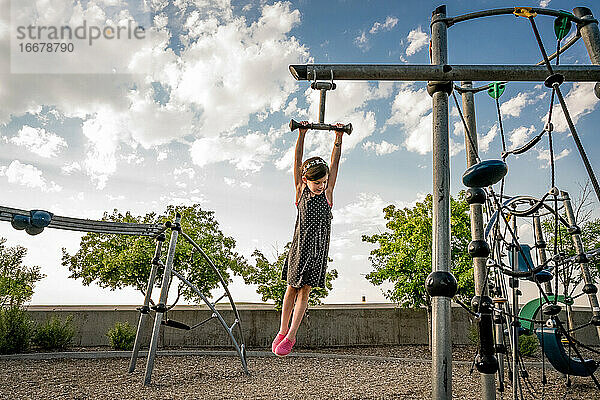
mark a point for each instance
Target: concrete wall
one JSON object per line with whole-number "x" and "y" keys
{"x": 328, "y": 325}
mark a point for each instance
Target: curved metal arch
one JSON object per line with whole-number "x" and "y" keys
{"x": 506, "y": 11}
{"x": 223, "y": 283}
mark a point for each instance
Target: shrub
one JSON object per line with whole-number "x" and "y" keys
{"x": 54, "y": 334}
{"x": 16, "y": 330}
{"x": 121, "y": 336}
{"x": 528, "y": 345}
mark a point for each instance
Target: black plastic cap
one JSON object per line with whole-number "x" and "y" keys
{"x": 475, "y": 196}
{"x": 479, "y": 248}
{"x": 589, "y": 288}
{"x": 441, "y": 283}
{"x": 486, "y": 364}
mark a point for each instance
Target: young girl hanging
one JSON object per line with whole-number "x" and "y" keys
{"x": 306, "y": 264}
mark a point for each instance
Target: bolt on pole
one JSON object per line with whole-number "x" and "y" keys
{"x": 441, "y": 351}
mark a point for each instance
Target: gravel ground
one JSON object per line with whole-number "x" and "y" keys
{"x": 306, "y": 377}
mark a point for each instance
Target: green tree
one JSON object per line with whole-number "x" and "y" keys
{"x": 117, "y": 261}
{"x": 404, "y": 253}
{"x": 267, "y": 276}
{"x": 17, "y": 281}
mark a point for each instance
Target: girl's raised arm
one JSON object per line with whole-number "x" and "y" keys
{"x": 298, "y": 160}
{"x": 335, "y": 162}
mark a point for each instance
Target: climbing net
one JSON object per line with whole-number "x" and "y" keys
{"x": 509, "y": 261}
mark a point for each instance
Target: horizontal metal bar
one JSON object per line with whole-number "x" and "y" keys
{"x": 88, "y": 225}
{"x": 426, "y": 72}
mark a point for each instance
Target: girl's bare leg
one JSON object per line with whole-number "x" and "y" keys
{"x": 301, "y": 303}
{"x": 286, "y": 310}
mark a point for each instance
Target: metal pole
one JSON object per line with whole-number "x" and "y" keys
{"x": 146, "y": 307}
{"x": 441, "y": 312}
{"x": 442, "y": 72}
{"x": 515, "y": 311}
{"x": 161, "y": 306}
{"x": 589, "y": 33}
{"x": 583, "y": 262}
{"x": 322, "y": 105}
{"x": 488, "y": 384}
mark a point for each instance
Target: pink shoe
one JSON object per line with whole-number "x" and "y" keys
{"x": 285, "y": 347}
{"x": 276, "y": 341}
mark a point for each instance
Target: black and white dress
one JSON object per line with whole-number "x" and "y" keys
{"x": 306, "y": 263}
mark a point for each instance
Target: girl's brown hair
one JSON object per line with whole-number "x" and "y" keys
{"x": 314, "y": 168}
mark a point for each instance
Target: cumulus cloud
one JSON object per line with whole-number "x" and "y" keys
{"x": 417, "y": 40}
{"x": 199, "y": 91}
{"x": 411, "y": 110}
{"x": 27, "y": 175}
{"x": 362, "y": 40}
{"x": 518, "y": 137}
{"x": 544, "y": 155}
{"x": 367, "y": 211}
{"x": 544, "y": 3}
{"x": 39, "y": 141}
{"x": 247, "y": 153}
{"x": 485, "y": 140}
{"x": 580, "y": 100}
{"x": 235, "y": 183}
{"x": 71, "y": 168}
{"x": 387, "y": 25}
{"x": 514, "y": 106}
{"x": 380, "y": 148}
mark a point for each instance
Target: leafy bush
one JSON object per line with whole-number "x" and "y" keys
{"x": 16, "y": 330}
{"x": 54, "y": 334}
{"x": 121, "y": 336}
{"x": 528, "y": 345}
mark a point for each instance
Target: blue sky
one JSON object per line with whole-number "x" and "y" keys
{"x": 203, "y": 118}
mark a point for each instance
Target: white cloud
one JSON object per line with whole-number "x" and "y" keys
{"x": 199, "y": 87}
{"x": 162, "y": 155}
{"x": 485, "y": 140}
{"x": 177, "y": 172}
{"x": 247, "y": 153}
{"x": 367, "y": 212}
{"x": 39, "y": 141}
{"x": 387, "y": 25}
{"x": 514, "y": 106}
{"x": 29, "y": 176}
{"x": 417, "y": 39}
{"x": 411, "y": 110}
{"x": 233, "y": 183}
{"x": 521, "y": 135}
{"x": 580, "y": 100}
{"x": 544, "y": 3}
{"x": 362, "y": 41}
{"x": 71, "y": 168}
{"x": 544, "y": 155}
{"x": 380, "y": 148}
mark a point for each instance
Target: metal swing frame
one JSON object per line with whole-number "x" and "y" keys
{"x": 156, "y": 231}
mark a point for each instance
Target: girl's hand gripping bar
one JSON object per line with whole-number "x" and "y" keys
{"x": 322, "y": 127}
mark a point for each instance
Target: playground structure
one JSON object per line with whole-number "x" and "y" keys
{"x": 488, "y": 246}
{"x": 35, "y": 221}
{"x": 495, "y": 248}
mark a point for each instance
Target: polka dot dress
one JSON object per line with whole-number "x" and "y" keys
{"x": 306, "y": 263}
